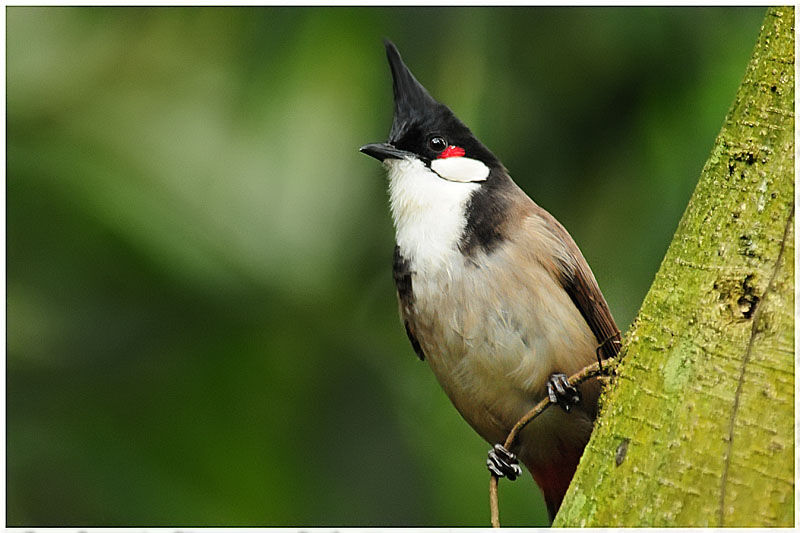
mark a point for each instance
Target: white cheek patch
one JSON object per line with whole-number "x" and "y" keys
{"x": 461, "y": 169}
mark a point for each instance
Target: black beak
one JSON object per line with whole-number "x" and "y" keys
{"x": 381, "y": 151}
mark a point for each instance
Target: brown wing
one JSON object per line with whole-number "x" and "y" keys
{"x": 578, "y": 281}
{"x": 582, "y": 288}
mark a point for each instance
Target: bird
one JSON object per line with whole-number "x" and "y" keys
{"x": 493, "y": 292}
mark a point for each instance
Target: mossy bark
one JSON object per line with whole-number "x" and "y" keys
{"x": 697, "y": 427}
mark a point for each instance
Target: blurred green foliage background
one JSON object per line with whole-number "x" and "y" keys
{"x": 202, "y": 326}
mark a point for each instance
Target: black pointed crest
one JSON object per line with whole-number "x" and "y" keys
{"x": 417, "y": 116}
{"x": 411, "y": 99}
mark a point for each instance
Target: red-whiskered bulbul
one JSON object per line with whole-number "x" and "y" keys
{"x": 493, "y": 292}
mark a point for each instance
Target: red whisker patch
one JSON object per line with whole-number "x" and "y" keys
{"x": 451, "y": 151}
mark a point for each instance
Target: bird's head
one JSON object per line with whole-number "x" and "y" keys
{"x": 428, "y": 132}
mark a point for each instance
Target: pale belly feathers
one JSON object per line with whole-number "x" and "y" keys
{"x": 492, "y": 336}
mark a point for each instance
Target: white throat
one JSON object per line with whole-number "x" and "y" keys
{"x": 429, "y": 214}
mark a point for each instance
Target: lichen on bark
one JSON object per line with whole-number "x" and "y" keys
{"x": 697, "y": 427}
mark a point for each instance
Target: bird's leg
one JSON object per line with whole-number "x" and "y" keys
{"x": 561, "y": 392}
{"x": 503, "y": 463}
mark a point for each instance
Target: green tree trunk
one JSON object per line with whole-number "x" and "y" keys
{"x": 697, "y": 427}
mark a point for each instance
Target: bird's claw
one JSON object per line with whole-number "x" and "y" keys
{"x": 561, "y": 392}
{"x": 503, "y": 463}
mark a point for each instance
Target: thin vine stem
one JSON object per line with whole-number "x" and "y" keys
{"x": 593, "y": 370}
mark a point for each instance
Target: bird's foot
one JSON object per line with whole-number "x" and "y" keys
{"x": 561, "y": 392}
{"x": 503, "y": 463}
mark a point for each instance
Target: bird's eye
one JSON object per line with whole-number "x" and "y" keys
{"x": 437, "y": 144}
